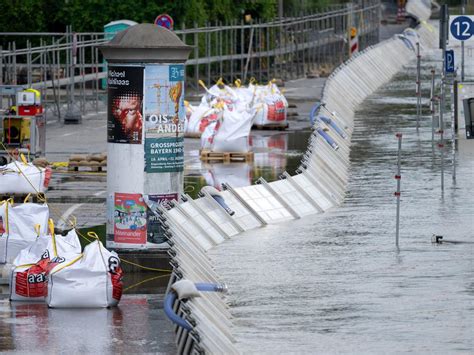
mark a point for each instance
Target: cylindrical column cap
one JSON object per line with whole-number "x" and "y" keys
{"x": 146, "y": 43}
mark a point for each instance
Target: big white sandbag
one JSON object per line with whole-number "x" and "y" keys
{"x": 207, "y": 136}
{"x": 20, "y": 225}
{"x": 21, "y": 178}
{"x": 220, "y": 93}
{"x": 232, "y": 135}
{"x": 93, "y": 281}
{"x": 271, "y": 106}
{"x": 200, "y": 118}
{"x": 31, "y": 267}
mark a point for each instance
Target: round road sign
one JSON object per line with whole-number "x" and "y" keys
{"x": 164, "y": 20}
{"x": 462, "y": 28}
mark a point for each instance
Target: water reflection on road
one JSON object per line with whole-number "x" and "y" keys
{"x": 138, "y": 325}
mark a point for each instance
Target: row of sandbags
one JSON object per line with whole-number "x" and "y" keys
{"x": 225, "y": 115}
{"x": 88, "y": 160}
{"x": 21, "y": 177}
{"x": 52, "y": 268}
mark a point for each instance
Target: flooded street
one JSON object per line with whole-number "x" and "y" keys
{"x": 137, "y": 326}
{"x": 335, "y": 282}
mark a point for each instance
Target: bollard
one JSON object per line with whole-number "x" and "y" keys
{"x": 418, "y": 85}
{"x": 145, "y": 131}
{"x": 398, "y": 177}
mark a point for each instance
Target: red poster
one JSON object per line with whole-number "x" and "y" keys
{"x": 129, "y": 218}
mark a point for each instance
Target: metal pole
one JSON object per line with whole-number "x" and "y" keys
{"x": 208, "y": 55}
{"x": 453, "y": 134}
{"x": 219, "y": 35}
{"x": 463, "y": 12}
{"x": 441, "y": 132}
{"x": 1, "y": 70}
{"x": 196, "y": 55}
{"x": 96, "y": 70}
{"x": 258, "y": 47}
{"x": 418, "y": 85}
{"x": 242, "y": 34}
{"x": 83, "y": 83}
{"x": 14, "y": 76}
{"x": 249, "y": 54}
{"x": 233, "y": 41}
{"x": 442, "y": 103}
{"x": 28, "y": 63}
{"x": 398, "y": 177}
{"x": 432, "y": 105}
{"x": 267, "y": 46}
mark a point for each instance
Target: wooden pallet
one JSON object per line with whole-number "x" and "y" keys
{"x": 192, "y": 135}
{"x": 271, "y": 127}
{"x": 227, "y": 157}
{"x": 77, "y": 166}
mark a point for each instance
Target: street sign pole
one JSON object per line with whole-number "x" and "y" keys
{"x": 444, "y": 17}
{"x": 463, "y": 12}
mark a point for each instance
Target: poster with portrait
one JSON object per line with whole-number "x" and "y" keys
{"x": 164, "y": 118}
{"x": 130, "y": 214}
{"x": 125, "y": 113}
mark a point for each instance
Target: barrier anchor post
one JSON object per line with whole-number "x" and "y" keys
{"x": 432, "y": 105}
{"x": 397, "y": 194}
{"x": 418, "y": 85}
{"x": 441, "y": 130}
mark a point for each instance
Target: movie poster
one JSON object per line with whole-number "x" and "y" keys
{"x": 125, "y": 114}
{"x": 129, "y": 218}
{"x": 164, "y": 118}
{"x": 155, "y": 233}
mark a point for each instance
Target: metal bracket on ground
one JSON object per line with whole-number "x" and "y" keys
{"x": 302, "y": 192}
{"x": 208, "y": 197}
{"x": 280, "y": 199}
{"x": 206, "y": 217}
{"x": 244, "y": 203}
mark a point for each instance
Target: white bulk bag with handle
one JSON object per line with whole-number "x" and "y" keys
{"x": 92, "y": 281}
{"x": 29, "y": 274}
{"x": 200, "y": 118}
{"x": 23, "y": 178}
{"x": 232, "y": 135}
{"x": 207, "y": 136}
{"x": 271, "y": 106}
{"x": 20, "y": 225}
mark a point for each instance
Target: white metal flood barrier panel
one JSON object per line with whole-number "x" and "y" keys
{"x": 194, "y": 226}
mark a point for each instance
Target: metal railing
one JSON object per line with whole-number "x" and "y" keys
{"x": 287, "y": 49}
{"x": 68, "y": 67}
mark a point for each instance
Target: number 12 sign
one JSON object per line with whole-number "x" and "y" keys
{"x": 461, "y": 28}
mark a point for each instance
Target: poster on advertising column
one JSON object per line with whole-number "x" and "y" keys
{"x": 125, "y": 96}
{"x": 130, "y": 213}
{"x": 164, "y": 118}
{"x": 155, "y": 232}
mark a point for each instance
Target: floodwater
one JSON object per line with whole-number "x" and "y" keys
{"x": 138, "y": 325}
{"x": 336, "y": 282}
{"x": 274, "y": 153}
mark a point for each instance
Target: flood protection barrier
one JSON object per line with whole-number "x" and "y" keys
{"x": 193, "y": 226}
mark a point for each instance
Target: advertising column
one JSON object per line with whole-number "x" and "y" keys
{"x": 146, "y": 125}
{"x": 145, "y": 121}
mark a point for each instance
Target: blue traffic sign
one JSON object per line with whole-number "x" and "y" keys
{"x": 449, "y": 61}
{"x": 462, "y": 28}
